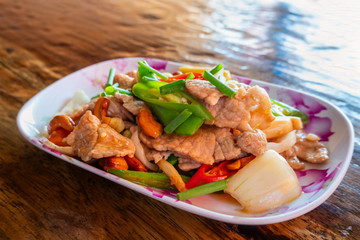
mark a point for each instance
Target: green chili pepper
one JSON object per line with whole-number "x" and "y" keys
{"x": 177, "y": 121}
{"x": 282, "y": 109}
{"x": 165, "y": 116}
{"x": 172, "y": 159}
{"x": 150, "y": 93}
{"x": 149, "y": 179}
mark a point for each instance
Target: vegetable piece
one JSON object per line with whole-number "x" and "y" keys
{"x": 224, "y": 88}
{"x": 62, "y": 149}
{"x": 172, "y": 87}
{"x": 172, "y": 159}
{"x": 266, "y": 182}
{"x": 283, "y": 143}
{"x": 111, "y": 76}
{"x": 140, "y": 152}
{"x": 165, "y": 116}
{"x": 100, "y": 109}
{"x": 173, "y": 174}
{"x": 113, "y": 162}
{"x": 148, "y": 124}
{"x": 111, "y": 90}
{"x": 150, "y": 93}
{"x": 61, "y": 121}
{"x": 135, "y": 164}
{"x": 190, "y": 76}
{"x": 57, "y": 137}
{"x": 177, "y": 121}
{"x": 239, "y": 163}
{"x": 279, "y": 127}
{"x": 186, "y": 69}
{"x": 202, "y": 190}
{"x": 143, "y": 64}
{"x": 216, "y": 69}
{"x": 117, "y": 124}
{"x": 209, "y": 173}
{"x": 282, "y": 109}
{"x": 149, "y": 179}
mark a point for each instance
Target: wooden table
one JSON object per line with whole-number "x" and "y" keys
{"x": 312, "y": 46}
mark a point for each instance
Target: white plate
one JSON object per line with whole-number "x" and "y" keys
{"x": 318, "y": 181}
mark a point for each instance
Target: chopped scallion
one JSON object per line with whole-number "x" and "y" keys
{"x": 223, "y": 87}
{"x": 202, "y": 190}
{"x": 216, "y": 69}
{"x": 111, "y": 76}
{"x": 146, "y": 66}
{"x": 177, "y": 121}
{"x": 191, "y": 76}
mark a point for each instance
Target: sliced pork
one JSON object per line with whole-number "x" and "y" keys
{"x": 91, "y": 139}
{"x": 250, "y": 108}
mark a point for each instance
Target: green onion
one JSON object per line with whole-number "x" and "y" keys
{"x": 146, "y": 66}
{"x": 111, "y": 77}
{"x": 223, "y": 87}
{"x": 149, "y": 179}
{"x": 172, "y": 159}
{"x": 191, "y": 76}
{"x": 123, "y": 91}
{"x": 202, "y": 190}
{"x": 149, "y": 79}
{"x": 177, "y": 121}
{"x": 216, "y": 69}
{"x": 103, "y": 94}
{"x": 176, "y": 86}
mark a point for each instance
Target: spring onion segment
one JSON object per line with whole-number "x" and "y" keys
{"x": 266, "y": 182}
{"x": 176, "y": 86}
{"x": 223, "y": 87}
{"x": 177, "y": 121}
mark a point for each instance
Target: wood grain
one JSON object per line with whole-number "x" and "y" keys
{"x": 44, "y": 40}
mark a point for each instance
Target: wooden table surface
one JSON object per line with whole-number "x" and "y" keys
{"x": 309, "y": 45}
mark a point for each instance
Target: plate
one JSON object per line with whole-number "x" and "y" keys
{"x": 318, "y": 181}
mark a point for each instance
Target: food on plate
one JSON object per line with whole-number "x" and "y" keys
{"x": 195, "y": 131}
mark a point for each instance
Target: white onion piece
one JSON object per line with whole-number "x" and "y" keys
{"x": 64, "y": 150}
{"x": 140, "y": 153}
{"x": 284, "y": 143}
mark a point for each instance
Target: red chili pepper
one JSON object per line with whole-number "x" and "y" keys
{"x": 208, "y": 174}
{"x": 183, "y": 76}
{"x": 100, "y": 109}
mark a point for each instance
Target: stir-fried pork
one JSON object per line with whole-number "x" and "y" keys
{"x": 207, "y": 145}
{"x": 130, "y": 103}
{"x": 249, "y": 108}
{"x": 124, "y": 80}
{"x": 252, "y": 142}
{"x": 116, "y": 109}
{"x": 309, "y": 149}
{"x": 91, "y": 139}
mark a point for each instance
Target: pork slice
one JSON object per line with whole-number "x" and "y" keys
{"x": 248, "y": 109}
{"x": 292, "y": 159}
{"x": 116, "y": 109}
{"x": 187, "y": 164}
{"x": 203, "y": 90}
{"x": 125, "y": 81}
{"x": 198, "y": 147}
{"x": 253, "y": 142}
{"x": 91, "y": 139}
{"x": 111, "y": 143}
{"x": 130, "y": 103}
{"x": 84, "y": 136}
{"x": 156, "y": 156}
{"x": 310, "y": 150}
{"x": 225, "y": 147}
